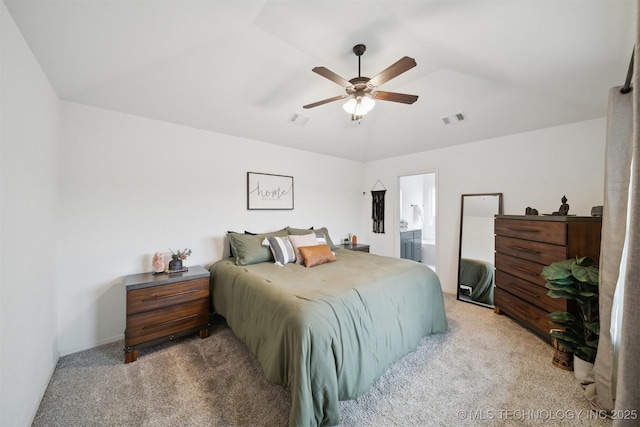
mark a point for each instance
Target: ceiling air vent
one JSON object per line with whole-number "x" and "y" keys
{"x": 298, "y": 119}
{"x": 452, "y": 119}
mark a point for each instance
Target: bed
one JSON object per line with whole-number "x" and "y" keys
{"x": 328, "y": 332}
{"x": 477, "y": 275}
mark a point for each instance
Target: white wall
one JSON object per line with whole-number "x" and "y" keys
{"x": 133, "y": 186}
{"x": 532, "y": 169}
{"x": 30, "y": 120}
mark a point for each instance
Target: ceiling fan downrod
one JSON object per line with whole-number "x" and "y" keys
{"x": 359, "y": 49}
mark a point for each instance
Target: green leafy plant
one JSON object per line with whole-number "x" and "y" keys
{"x": 575, "y": 279}
{"x": 180, "y": 254}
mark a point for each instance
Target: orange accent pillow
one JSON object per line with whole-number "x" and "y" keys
{"x": 316, "y": 255}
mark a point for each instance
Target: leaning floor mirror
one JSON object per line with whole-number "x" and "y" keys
{"x": 476, "y": 250}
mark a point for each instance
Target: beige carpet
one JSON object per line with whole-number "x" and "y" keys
{"x": 485, "y": 370}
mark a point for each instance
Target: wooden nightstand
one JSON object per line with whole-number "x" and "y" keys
{"x": 356, "y": 247}
{"x": 165, "y": 306}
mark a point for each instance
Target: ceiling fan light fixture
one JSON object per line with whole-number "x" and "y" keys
{"x": 359, "y": 106}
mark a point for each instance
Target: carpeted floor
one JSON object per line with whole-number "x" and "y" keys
{"x": 485, "y": 370}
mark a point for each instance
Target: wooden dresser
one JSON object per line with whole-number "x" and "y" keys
{"x": 524, "y": 245}
{"x": 165, "y": 306}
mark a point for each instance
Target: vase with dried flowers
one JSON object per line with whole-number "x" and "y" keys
{"x": 176, "y": 259}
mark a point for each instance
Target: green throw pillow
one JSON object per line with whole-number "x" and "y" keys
{"x": 247, "y": 248}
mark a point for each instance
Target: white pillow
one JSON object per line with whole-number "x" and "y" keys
{"x": 300, "y": 241}
{"x": 282, "y": 250}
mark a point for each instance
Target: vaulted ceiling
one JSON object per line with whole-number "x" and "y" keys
{"x": 244, "y": 67}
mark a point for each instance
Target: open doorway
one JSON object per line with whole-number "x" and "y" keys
{"x": 418, "y": 219}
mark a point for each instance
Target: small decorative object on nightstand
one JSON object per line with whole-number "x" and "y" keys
{"x": 175, "y": 265}
{"x": 158, "y": 263}
{"x": 356, "y": 247}
{"x": 164, "y": 307}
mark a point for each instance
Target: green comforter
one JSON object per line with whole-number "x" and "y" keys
{"x": 328, "y": 332}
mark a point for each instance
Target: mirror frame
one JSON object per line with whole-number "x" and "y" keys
{"x": 500, "y": 212}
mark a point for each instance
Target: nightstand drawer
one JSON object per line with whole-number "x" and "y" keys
{"x": 155, "y": 297}
{"x": 527, "y": 270}
{"x": 159, "y": 323}
{"x": 529, "y": 292}
{"x": 542, "y": 253}
{"x": 539, "y": 231}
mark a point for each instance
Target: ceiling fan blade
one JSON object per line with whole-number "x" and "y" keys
{"x": 327, "y": 73}
{"x": 325, "y": 101}
{"x": 393, "y": 70}
{"x": 395, "y": 97}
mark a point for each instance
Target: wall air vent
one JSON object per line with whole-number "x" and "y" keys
{"x": 298, "y": 119}
{"x": 454, "y": 118}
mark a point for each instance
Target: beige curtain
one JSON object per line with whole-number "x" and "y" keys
{"x": 617, "y": 367}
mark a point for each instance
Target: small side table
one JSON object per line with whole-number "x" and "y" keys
{"x": 163, "y": 307}
{"x": 357, "y": 247}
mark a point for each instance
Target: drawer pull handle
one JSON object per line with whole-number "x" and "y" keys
{"x": 517, "y": 267}
{"x": 520, "y": 248}
{"x": 526, "y": 230}
{"x": 525, "y": 291}
{"x": 168, "y": 322}
{"x": 157, "y": 297}
{"x": 516, "y": 308}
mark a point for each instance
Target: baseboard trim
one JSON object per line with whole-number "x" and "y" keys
{"x": 97, "y": 344}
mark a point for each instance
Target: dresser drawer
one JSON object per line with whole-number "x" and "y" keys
{"x": 160, "y": 323}
{"x": 529, "y": 314}
{"x": 529, "y": 292}
{"x": 522, "y": 268}
{"x": 539, "y": 231}
{"x": 542, "y": 253}
{"x": 155, "y": 297}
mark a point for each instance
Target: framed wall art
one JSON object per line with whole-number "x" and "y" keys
{"x": 269, "y": 192}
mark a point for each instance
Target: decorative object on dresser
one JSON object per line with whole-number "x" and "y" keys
{"x": 161, "y": 308}
{"x": 564, "y": 207}
{"x": 411, "y": 245}
{"x": 158, "y": 263}
{"x": 524, "y": 246}
{"x": 575, "y": 279}
{"x": 530, "y": 211}
{"x": 175, "y": 265}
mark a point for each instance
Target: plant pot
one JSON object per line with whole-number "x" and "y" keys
{"x": 175, "y": 264}
{"x": 582, "y": 370}
{"x": 562, "y": 358}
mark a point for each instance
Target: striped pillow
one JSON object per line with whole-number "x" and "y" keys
{"x": 282, "y": 250}
{"x": 321, "y": 239}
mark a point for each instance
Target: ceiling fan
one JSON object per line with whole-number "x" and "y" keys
{"x": 361, "y": 90}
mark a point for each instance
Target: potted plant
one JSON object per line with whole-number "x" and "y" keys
{"x": 575, "y": 279}
{"x": 177, "y": 257}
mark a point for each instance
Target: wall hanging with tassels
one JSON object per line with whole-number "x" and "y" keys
{"x": 377, "y": 207}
